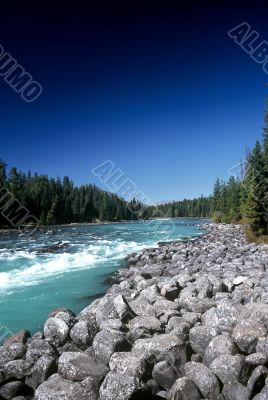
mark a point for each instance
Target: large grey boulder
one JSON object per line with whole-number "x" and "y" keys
{"x": 204, "y": 379}
{"x": 56, "y": 331}
{"x": 162, "y": 306}
{"x": 79, "y": 366}
{"x": 162, "y": 347}
{"x": 68, "y": 346}
{"x": 257, "y": 359}
{"x": 189, "y": 301}
{"x": 262, "y": 345}
{"x": 191, "y": 318}
{"x": 164, "y": 318}
{"x": 81, "y": 335}
{"x": 88, "y": 315}
{"x": 219, "y": 345}
{"x": 179, "y": 327}
{"x": 228, "y": 314}
{"x": 235, "y": 391}
{"x": 11, "y": 352}
{"x": 65, "y": 315}
{"x": 9, "y": 390}
{"x": 105, "y": 309}
{"x": 124, "y": 380}
{"x": 17, "y": 369}
{"x": 247, "y": 333}
{"x": 170, "y": 291}
{"x": 256, "y": 310}
{"x": 38, "y": 348}
{"x": 153, "y": 270}
{"x": 120, "y": 386}
{"x": 228, "y": 368}
{"x": 116, "y": 324}
{"x": 257, "y": 378}
{"x": 108, "y": 341}
{"x": 184, "y": 389}
{"x": 165, "y": 374}
{"x": 57, "y": 388}
{"x": 200, "y": 337}
{"x": 142, "y": 327}
{"x": 263, "y": 395}
{"x": 151, "y": 324}
{"x": 122, "y": 308}
{"x": 127, "y": 362}
{"x": 142, "y": 307}
{"x": 92, "y": 387}
{"x": 42, "y": 370}
{"x": 210, "y": 318}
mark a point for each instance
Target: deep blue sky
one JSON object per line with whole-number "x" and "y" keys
{"x": 161, "y": 91}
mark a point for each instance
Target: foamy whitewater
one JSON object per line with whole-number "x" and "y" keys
{"x": 33, "y": 281}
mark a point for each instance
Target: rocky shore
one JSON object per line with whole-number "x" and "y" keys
{"x": 187, "y": 320}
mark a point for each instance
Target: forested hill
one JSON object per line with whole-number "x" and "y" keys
{"x": 55, "y": 201}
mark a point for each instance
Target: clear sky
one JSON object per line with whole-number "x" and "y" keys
{"x": 161, "y": 90}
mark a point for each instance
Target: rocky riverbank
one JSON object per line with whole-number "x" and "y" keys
{"x": 186, "y": 321}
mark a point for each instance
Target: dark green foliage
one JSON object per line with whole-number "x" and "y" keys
{"x": 246, "y": 199}
{"x": 53, "y": 201}
{"x": 254, "y": 206}
{"x": 200, "y": 207}
{"x": 226, "y": 201}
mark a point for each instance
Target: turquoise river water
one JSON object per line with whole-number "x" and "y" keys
{"x": 33, "y": 283}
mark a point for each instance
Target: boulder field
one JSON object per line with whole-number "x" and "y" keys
{"x": 187, "y": 320}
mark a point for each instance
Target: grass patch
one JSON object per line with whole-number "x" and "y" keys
{"x": 253, "y": 238}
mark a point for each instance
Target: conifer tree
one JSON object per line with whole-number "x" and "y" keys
{"x": 254, "y": 208}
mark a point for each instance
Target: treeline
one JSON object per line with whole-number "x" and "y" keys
{"x": 56, "y": 201}
{"x": 196, "y": 208}
{"x": 223, "y": 205}
{"x": 246, "y": 200}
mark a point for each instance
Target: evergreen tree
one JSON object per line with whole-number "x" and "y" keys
{"x": 254, "y": 210}
{"x": 3, "y": 174}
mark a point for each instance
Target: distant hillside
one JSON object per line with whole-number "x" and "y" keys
{"x": 56, "y": 201}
